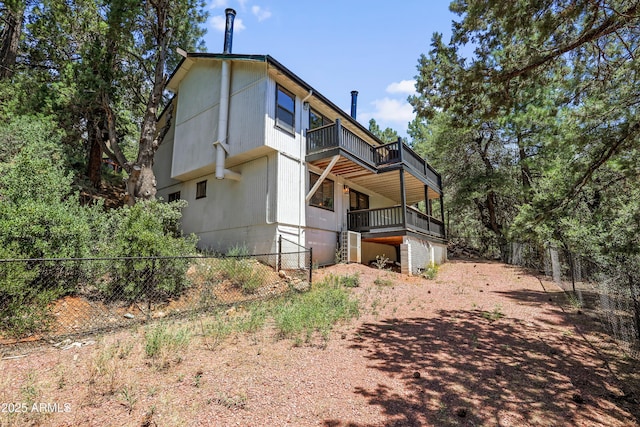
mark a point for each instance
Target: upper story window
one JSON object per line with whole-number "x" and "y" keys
{"x": 285, "y": 110}
{"x": 323, "y": 197}
{"x": 316, "y": 119}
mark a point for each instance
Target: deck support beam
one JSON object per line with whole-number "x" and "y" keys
{"x": 318, "y": 183}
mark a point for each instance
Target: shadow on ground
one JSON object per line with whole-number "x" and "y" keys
{"x": 477, "y": 368}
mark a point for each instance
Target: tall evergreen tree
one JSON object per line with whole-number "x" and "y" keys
{"x": 11, "y": 20}
{"x": 551, "y": 85}
{"x": 107, "y": 63}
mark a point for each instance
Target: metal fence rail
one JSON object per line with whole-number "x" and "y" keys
{"x": 45, "y": 299}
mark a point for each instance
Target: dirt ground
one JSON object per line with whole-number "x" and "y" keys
{"x": 484, "y": 344}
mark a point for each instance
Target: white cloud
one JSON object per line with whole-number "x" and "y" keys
{"x": 405, "y": 86}
{"x": 223, "y": 4}
{"x": 392, "y": 110}
{"x": 218, "y": 4}
{"x": 260, "y": 13}
{"x": 218, "y": 23}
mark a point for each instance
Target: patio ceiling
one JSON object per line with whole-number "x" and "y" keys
{"x": 386, "y": 184}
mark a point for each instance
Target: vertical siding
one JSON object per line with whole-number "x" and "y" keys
{"x": 162, "y": 161}
{"x": 247, "y": 107}
{"x": 201, "y": 87}
{"x": 196, "y": 119}
{"x": 229, "y": 205}
{"x": 198, "y": 110}
{"x": 291, "y": 183}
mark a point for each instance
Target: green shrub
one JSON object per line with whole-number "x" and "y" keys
{"x": 350, "y": 281}
{"x": 40, "y": 217}
{"x": 22, "y": 306}
{"x": 147, "y": 229}
{"x": 431, "y": 271}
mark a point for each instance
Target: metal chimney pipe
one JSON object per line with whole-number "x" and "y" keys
{"x": 228, "y": 30}
{"x": 354, "y": 103}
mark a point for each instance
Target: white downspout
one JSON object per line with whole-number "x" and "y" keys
{"x": 301, "y": 174}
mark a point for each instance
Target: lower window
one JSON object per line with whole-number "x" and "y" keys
{"x": 323, "y": 197}
{"x": 174, "y": 196}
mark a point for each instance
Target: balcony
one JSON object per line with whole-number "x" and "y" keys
{"x": 392, "y": 219}
{"x": 332, "y": 139}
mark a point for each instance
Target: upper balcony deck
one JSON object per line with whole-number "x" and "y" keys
{"x": 327, "y": 141}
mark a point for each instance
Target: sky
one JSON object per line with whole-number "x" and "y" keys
{"x": 338, "y": 46}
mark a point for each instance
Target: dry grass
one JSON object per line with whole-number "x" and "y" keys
{"x": 481, "y": 344}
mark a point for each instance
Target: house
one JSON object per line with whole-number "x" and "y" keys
{"x": 258, "y": 154}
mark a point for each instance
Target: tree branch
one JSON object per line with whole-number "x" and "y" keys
{"x": 605, "y": 155}
{"x": 610, "y": 25}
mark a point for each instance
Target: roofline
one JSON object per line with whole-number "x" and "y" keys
{"x": 291, "y": 75}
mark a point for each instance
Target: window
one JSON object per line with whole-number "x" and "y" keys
{"x": 201, "y": 189}
{"x": 323, "y": 197}
{"x": 358, "y": 200}
{"x": 174, "y": 196}
{"x": 285, "y": 110}
{"x": 316, "y": 119}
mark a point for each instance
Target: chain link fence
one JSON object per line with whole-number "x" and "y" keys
{"x": 612, "y": 290}
{"x": 47, "y": 299}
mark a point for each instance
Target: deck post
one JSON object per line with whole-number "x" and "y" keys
{"x": 444, "y": 229}
{"x": 403, "y": 198}
{"x": 339, "y": 132}
{"x": 402, "y": 189}
{"x": 427, "y": 207}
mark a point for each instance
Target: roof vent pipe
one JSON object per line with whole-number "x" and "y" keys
{"x": 222, "y": 146}
{"x": 354, "y": 103}
{"x": 228, "y": 30}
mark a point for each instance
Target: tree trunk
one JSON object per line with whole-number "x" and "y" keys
{"x": 142, "y": 182}
{"x": 635, "y": 303}
{"x": 10, "y": 37}
{"x": 94, "y": 167}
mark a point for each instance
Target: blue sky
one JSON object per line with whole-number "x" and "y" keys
{"x": 339, "y": 46}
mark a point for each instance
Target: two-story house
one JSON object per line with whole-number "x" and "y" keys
{"x": 258, "y": 153}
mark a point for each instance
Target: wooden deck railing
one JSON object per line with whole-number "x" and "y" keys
{"x": 372, "y": 220}
{"x": 335, "y": 135}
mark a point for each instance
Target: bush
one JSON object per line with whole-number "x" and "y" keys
{"x": 431, "y": 271}
{"x": 350, "y": 281}
{"x": 147, "y": 229}
{"x": 39, "y": 218}
{"x": 22, "y": 306}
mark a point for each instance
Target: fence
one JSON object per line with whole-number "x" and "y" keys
{"x": 45, "y": 299}
{"x": 613, "y": 290}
